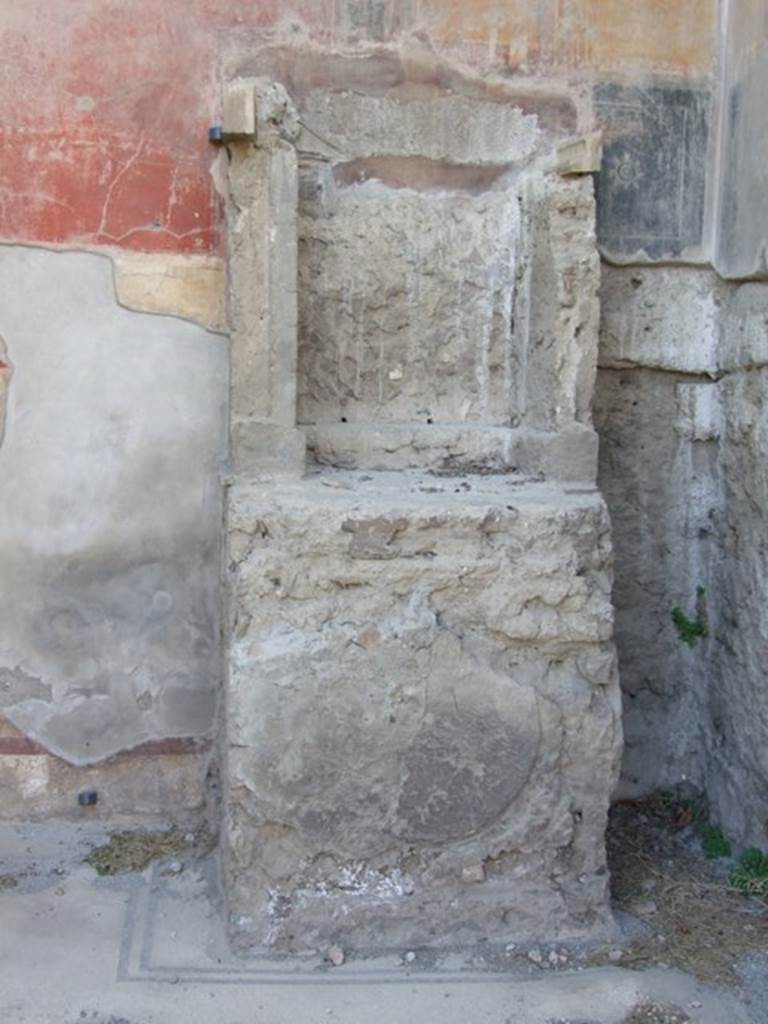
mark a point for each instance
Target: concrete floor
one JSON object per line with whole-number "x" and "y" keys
{"x": 149, "y": 949}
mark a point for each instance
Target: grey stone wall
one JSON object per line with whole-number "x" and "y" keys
{"x": 659, "y": 473}
{"x": 680, "y": 411}
{"x": 737, "y": 764}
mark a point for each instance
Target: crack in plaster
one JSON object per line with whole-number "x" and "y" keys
{"x": 6, "y": 372}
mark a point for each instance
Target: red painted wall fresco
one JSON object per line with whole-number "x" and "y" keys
{"x": 105, "y": 104}
{"x": 104, "y": 111}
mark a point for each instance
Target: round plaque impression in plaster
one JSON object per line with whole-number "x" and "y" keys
{"x": 470, "y": 759}
{"x": 410, "y": 739}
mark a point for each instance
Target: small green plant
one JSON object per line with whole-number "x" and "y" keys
{"x": 690, "y": 630}
{"x": 715, "y": 842}
{"x": 750, "y": 876}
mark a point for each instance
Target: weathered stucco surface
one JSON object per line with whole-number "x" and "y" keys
{"x": 111, "y": 513}
{"x": 423, "y": 716}
{"x": 737, "y": 775}
{"x": 86, "y": 160}
{"x": 431, "y": 294}
{"x": 108, "y": 461}
{"x": 434, "y": 307}
{"x": 422, "y": 720}
{"x": 386, "y": 333}
{"x": 681, "y": 413}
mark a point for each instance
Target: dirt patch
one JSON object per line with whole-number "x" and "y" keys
{"x": 134, "y": 851}
{"x": 695, "y": 920}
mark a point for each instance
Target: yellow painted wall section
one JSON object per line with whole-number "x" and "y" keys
{"x": 667, "y": 36}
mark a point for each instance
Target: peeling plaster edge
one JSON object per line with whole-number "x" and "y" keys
{"x": 25, "y": 746}
{"x": 111, "y": 254}
{"x": 722, "y": 373}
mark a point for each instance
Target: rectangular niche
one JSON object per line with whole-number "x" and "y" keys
{"x": 405, "y": 304}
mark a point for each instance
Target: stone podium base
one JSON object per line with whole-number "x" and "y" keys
{"x": 423, "y": 716}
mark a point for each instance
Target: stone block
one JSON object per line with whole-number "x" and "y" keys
{"x": 239, "y": 109}
{"x": 260, "y": 447}
{"x": 582, "y": 155}
{"x": 444, "y": 126}
{"x": 524, "y": 454}
{"x": 423, "y": 723}
{"x": 663, "y": 318}
{"x": 700, "y": 414}
{"x": 737, "y": 711}
{"x": 262, "y": 282}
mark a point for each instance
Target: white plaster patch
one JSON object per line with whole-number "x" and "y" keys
{"x": 115, "y": 433}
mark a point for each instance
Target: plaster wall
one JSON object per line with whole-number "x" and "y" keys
{"x": 680, "y": 412}
{"x": 114, "y": 435}
{"x": 104, "y": 110}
